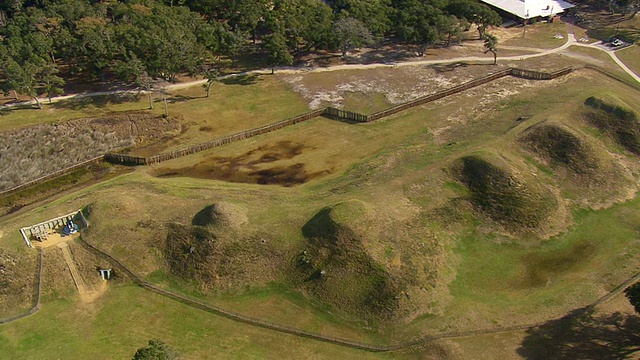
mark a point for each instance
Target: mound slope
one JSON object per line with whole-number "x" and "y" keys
{"x": 561, "y": 148}
{"x": 221, "y": 214}
{"x": 618, "y": 122}
{"x": 219, "y": 260}
{"x": 336, "y": 268}
{"x": 500, "y": 195}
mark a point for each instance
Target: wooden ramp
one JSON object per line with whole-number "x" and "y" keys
{"x": 82, "y": 289}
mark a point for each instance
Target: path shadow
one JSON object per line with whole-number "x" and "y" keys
{"x": 246, "y": 79}
{"x": 99, "y": 101}
{"x": 579, "y": 336}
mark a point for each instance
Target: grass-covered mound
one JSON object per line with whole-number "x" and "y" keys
{"x": 336, "y": 268}
{"x": 561, "y": 148}
{"x": 221, "y": 214}
{"x": 220, "y": 260}
{"x": 617, "y": 121}
{"x": 500, "y": 195}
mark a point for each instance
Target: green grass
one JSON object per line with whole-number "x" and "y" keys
{"x": 540, "y": 35}
{"x": 115, "y": 326}
{"x": 529, "y": 280}
{"x": 631, "y": 57}
{"x": 238, "y": 104}
{"x": 604, "y": 61}
{"x": 395, "y": 166}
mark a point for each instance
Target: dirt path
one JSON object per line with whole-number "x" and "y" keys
{"x": 537, "y": 52}
{"x": 77, "y": 279}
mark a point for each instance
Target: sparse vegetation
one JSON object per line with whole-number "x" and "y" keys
{"x": 617, "y": 121}
{"x": 561, "y": 148}
{"x": 40, "y": 150}
{"x": 500, "y": 195}
{"x": 336, "y": 268}
{"x": 433, "y": 216}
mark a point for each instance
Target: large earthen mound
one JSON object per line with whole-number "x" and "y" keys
{"x": 336, "y": 268}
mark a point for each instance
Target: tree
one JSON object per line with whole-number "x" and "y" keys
{"x": 491, "y": 45}
{"x": 416, "y": 23}
{"x": 351, "y": 34}
{"x": 450, "y": 28}
{"x": 212, "y": 75}
{"x": 51, "y": 82}
{"x": 483, "y": 18}
{"x": 374, "y": 14}
{"x": 157, "y": 350}
{"x": 146, "y": 82}
{"x": 22, "y": 79}
{"x": 277, "y": 50}
{"x": 633, "y": 294}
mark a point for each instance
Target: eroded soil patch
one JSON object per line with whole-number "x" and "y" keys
{"x": 250, "y": 167}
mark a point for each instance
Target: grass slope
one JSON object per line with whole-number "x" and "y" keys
{"x": 397, "y": 214}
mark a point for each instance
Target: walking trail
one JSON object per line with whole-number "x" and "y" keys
{"x": 537, "y": 52}
{"x": 66, "y": 254}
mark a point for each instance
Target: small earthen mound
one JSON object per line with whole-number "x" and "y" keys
{"x": 560, "y": 148}
{"x": 189, "y": 252}
{"x": 618, "y": 122}
{"x": 221, "y": 214}
{"x": 500, "y": 195}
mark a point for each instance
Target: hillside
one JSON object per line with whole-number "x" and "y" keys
{"x": 509, "y": 204}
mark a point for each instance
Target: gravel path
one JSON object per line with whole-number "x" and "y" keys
{"x": 537, "y": 52}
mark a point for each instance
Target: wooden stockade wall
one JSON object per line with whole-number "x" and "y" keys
{"x": 330, "y": 112}
{"x": 345, "y": 115}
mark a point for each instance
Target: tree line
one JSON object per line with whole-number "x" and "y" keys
{"x": 142, "y": 40}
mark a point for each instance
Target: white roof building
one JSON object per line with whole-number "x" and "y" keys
{"x": 528, "y": 9}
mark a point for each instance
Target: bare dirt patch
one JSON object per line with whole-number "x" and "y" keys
{"x": 252, "y": 167}
{"x": 396, "y": 84}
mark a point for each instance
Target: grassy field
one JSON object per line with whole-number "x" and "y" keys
{"x": 603, "y": 60}
{"x": 539, "y": 35}
{"x": 458, "y": 269}
{"x": 69, "y": 329}
{"x": 236, "y": 104}
{"x": 631, "y": 57}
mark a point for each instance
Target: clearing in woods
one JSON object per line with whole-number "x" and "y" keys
{"x": 504, "y": 205}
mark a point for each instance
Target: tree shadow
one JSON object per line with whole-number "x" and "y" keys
{"x": 245, "y": 79}
{"x": 580, "y": 336}
{"x": 179, "y": 98}
{"x": 99, "y": 101}
{"x": 10, "y": 110}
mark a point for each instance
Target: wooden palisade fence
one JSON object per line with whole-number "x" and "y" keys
{"x": 344, "y": 115}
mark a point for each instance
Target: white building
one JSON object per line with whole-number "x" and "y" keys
{"x": 529, "y": 9}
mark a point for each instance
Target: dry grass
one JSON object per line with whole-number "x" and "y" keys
{"x": 456, "y": 271}
{"x": 631, "y": 57}
{"x": 539, "y": 35}
{"x": 36, "y": 151}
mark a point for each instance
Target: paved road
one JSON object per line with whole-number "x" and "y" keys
{"x": 537, "y": 52}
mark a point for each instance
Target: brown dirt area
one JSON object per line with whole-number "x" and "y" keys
{"x": 268, "y": 164}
